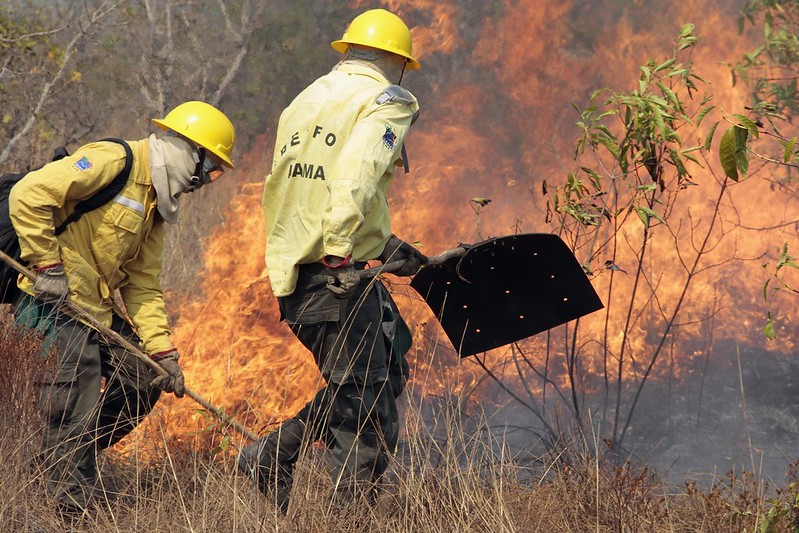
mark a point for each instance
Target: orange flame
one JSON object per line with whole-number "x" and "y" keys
{"x": 497, "y": 130}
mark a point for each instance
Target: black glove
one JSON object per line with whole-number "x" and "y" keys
{"x": 52, "y": 285}
{"x": 173, "y": 380}
{"x": 399, "y": 250}
{"x": 342, "y": 281}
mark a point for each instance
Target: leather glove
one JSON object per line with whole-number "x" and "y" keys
{"x": 52, "y": 285}
{"x": 342, "y": 278}
{"x": 342, "y": 281}
{"x": 398, "y": 250}
{"x": 173, "y": 380}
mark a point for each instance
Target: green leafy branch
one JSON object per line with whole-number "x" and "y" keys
{"x": 771, "y": 70}
{"x": 733, "y": 152}
{"x": 785, "y": 261}
{"x": 783, "y": 515}
{"x": 215, "y": 427}
{"x": 635, "y": 139}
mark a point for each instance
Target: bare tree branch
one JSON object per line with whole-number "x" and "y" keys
{"x": 243, "y": 40}
{"x": 92, "y": 18}
{"x": 33, "y": 35}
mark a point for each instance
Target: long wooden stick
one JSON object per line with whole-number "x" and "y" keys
{"x": 80, "y": 313}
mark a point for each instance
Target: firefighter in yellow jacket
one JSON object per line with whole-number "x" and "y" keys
{"x": 326, "y": 210}
{"x": 116, "y": 247}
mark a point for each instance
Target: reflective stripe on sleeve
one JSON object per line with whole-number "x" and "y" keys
{"x": 133, "y": 204}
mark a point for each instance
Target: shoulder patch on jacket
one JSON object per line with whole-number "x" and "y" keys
{"x": 389, "y": 138}
{"x": 395, "y": 94}
{"x": 83, "y": 163}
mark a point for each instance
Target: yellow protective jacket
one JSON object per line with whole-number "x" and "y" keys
{"x": 116, "y": 246}
{"x": 336, "y": 149}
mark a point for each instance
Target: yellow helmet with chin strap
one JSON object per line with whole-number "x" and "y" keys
{"x": 378, "y": 28}
{"x": 204, "y": 125}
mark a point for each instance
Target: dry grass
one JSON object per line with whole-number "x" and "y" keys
{"x": 447, "y": 477}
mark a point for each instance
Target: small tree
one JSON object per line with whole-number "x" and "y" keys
{"x": 622, "y": 206}
{"x": 771, "y": 72}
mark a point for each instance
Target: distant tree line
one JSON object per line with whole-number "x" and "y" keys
{"x": 72, "y": 71}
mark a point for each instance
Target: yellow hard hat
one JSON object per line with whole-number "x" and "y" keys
{"x": 203, "y": 124}
{"x": 379, "y": 29}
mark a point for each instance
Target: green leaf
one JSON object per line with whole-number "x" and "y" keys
{"x": 665, "y": 65}
{"x": 768, "y": 329}
{"x": 671, "y": 96}
{"x": 661, "y": 124}
{"x": 646, "y": 214}
{"x": 786, "y": 259}
{"x": 687, "y": 37}
{"x": 727, "y": 150}
{"x": 658, "y": 101}
{"x": 610, "y": 145}
{"x": 579, "y": 148}
{"x": 594, "y": 177}
{"x": 691, "y": 149}
{"x": 224, "y": 444}
{"x": 604, "y": 129}
{"x": 765, "y": 287}
{"x": 703, "y": 113}
{"x": 643, "y": 216}
{"x": 678, "y": 162}
{"x": 788, "y": 154}
{"x": 741, "y": 156}
{"x": 678, "y": 72}
{"x": 689, "y": 157}
{"x": 749, "y": 124}
{"x": 709, "y": 138}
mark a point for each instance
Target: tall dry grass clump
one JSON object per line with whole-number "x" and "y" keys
{"x": 20, "y": 491}
{"x": 453, "y": 471}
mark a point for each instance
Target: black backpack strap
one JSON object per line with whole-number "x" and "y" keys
{"x": 60, "y": 153}
{"x": 106, "y": 194}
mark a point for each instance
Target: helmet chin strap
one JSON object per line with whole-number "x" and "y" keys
{"x": 200, "y": 177}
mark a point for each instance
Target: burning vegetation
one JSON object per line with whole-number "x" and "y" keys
{"x": 673, "y": 249}
{"x": 674, "y": 373}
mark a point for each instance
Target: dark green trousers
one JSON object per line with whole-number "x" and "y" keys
{"x": 359, "y": 346}
{"x": 95, "y": 394}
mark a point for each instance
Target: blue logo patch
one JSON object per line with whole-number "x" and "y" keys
{"x": 389, "y": 138}
{"x": 83, "y": 163}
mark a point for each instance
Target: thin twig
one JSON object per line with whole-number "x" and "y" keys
{"x": 745, "y": 410}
